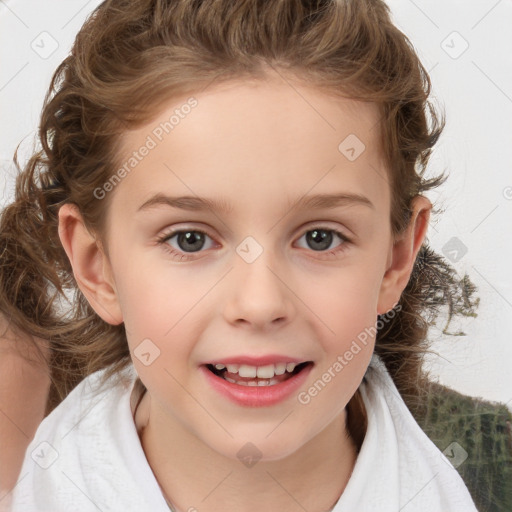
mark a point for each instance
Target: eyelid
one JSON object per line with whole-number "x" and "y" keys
{"x": 328, "y": 226}
{"x": 167, "y": 233}
{"x": 172, "y": 232}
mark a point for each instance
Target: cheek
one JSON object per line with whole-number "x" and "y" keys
{"x": 346, "y": 331}
{"x": 160, "y": 308}
{"x": 345, "y": 301}
{"x": 154, "y": 297}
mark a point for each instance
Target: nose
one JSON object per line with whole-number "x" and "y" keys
{"x": 260, "y": 298}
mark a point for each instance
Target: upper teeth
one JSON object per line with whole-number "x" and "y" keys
{"x": 262, "y": 372}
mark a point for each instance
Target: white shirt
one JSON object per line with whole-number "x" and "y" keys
{"x": 86, "y": 456}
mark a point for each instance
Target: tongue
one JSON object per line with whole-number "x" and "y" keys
{"x": 237, "y": 378}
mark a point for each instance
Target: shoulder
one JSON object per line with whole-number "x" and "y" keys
{"x": 90, "y": 400}
{"x": 94, "y": 410}
{"x": 412, "y": 459}
{"x": 79, "y": 448}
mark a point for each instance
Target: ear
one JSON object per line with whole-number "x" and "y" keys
{"x": 91, "y": 267}
{"x": 403, "y": 255}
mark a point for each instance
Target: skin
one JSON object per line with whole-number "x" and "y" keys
{"x": 256, "y": 145}
{"x": 23, "y": 394}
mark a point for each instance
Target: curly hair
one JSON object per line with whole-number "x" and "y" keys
{"x": 129, "y": 58}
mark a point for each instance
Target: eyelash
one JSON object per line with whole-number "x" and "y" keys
{"x": 162, "y": 240}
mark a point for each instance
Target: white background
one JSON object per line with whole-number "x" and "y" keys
{"x": 473, "y": 85}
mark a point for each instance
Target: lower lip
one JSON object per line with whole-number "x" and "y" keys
{"x": 256, "y": 396}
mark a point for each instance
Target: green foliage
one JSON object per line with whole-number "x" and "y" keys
{"x": 484, "y": 430}
{"x": 464, "y": 305}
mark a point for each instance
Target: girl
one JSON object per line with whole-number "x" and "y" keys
{"x": 233, "y": 193}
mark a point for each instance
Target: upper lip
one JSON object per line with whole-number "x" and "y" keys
{"x": 256, "y": 360}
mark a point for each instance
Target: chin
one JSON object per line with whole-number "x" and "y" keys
{"x": 250, "y": 449}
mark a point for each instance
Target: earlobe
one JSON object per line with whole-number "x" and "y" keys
{"x": 90, "y": 265}
{"x": 403, "y": 255}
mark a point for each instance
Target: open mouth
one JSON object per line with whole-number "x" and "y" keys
{"x": 268, "y": 375}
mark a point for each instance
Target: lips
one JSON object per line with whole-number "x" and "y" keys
{"x": 255, "y": 360}
{"x": 256, "y": 385}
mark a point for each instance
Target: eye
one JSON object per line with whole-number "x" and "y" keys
{"x": 186, "y": 240}
{"x": 320, "y": 239}
{"x": 180, "y": 242}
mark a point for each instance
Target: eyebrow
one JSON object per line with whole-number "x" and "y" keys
{"x": 194, "y": 203}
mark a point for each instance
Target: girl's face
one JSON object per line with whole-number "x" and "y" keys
{"x": 251, "y": 229}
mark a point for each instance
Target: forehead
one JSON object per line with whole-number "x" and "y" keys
{"x": 262, "y": 108}
{"x": 281, "y": 133}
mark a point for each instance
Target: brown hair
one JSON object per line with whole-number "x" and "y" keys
{"x": 132, "y": 55}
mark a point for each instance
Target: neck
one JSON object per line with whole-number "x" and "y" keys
{"x": 193, "y": 476}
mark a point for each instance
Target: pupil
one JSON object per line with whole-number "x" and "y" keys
{"x": 320, "y": 236}
{"x": 194, "y": 239}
